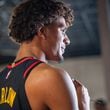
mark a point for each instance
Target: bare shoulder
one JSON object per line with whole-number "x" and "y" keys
{"x": 53, "y": 86}
{"x": 46, "y": 71}
{"x": 46, "y": 74}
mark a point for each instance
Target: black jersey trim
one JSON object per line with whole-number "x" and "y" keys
{"x": 22, "y": 91}
{"x": 19, "y": 62}
{"x": 31, "y": 67}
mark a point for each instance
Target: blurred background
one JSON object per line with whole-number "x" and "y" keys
{"x": 88, "y": 57}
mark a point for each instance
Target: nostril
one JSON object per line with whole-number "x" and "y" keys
{"x": 67, "y": 41}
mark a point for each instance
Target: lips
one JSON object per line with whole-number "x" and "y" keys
{"x": 63, "y": 50}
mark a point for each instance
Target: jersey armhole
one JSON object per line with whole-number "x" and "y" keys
{"x": 29, "y": 69}
{"x": 22, "y": 92}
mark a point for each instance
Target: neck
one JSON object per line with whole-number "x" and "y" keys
{"x": 27, "y": 50}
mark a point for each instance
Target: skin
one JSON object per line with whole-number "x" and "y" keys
{"x": 82, "y": 95}
{"x": 48, "y": 87}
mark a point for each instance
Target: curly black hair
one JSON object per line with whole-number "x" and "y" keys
{"x": 30, "y": 15}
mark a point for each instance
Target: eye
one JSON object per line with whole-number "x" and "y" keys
{"x": 64, "y": 32}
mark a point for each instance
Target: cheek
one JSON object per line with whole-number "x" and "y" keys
{"x": 59, "y": 42}
{"x": 56, "y": 47}
{"x": 59, "y": 45}
{"x": 55, "y": 41}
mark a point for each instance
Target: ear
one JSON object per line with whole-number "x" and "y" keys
{"x": 42, "y": 32}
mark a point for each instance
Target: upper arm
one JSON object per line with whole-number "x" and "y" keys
{"x": 58, "y": 91}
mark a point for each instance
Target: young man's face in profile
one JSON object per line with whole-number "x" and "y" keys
{"x": 56, "y": 40}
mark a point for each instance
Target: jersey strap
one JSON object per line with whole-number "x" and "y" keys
{"x": 22, "y": 92}
{"x": 37, "y": 62}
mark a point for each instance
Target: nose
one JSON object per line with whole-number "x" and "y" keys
{"x": 67, "y": 40}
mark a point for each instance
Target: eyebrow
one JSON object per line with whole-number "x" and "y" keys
{"x": 64, "y": 28}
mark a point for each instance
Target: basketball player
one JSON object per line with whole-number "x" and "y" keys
{"x": 30, "y": 82}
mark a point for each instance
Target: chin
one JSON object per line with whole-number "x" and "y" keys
{"x": 56, "y": 59}
{"x": 59, "y": 59}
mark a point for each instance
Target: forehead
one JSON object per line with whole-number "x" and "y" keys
{"x": 59, "y": 22}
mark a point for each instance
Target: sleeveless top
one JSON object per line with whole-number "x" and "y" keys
{"x": 12, "y": 84}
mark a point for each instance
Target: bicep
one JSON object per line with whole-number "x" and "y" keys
{"x": 60, "y": 93}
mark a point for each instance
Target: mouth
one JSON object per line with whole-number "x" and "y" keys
{"x": 63, "y": 50}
